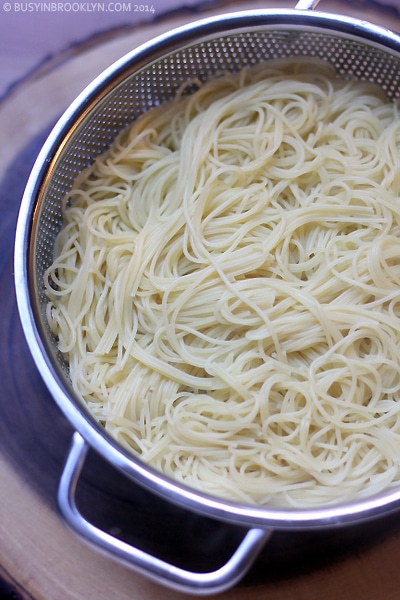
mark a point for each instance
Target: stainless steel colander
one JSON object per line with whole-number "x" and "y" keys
{"x": 144, "y": 78}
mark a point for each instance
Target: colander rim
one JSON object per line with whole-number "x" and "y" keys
{"x": 96, "y": 437}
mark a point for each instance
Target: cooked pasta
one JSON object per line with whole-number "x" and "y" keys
{"x": 226, "y": 287}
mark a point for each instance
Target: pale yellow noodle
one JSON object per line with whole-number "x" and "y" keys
{"x": 226, "y": 287}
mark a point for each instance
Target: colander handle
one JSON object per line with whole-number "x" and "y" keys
{"x": 152, "y": 567}
{"x": 307, "y": 4}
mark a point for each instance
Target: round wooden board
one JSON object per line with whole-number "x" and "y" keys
{"x": 39, "y": 557}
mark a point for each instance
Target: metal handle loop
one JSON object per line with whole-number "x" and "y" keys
{"x": 307, "y": 4}
{"x": 151, "y": 567}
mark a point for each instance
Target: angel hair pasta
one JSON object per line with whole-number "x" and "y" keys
{"x": 226, "y": 287}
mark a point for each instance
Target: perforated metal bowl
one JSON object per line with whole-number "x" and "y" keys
{"x": 144, "y": 78}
